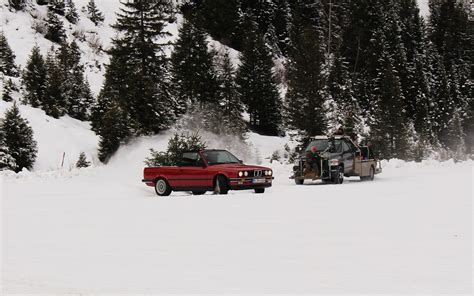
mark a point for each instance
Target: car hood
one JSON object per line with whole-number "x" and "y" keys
{"x": 240, "y": 167}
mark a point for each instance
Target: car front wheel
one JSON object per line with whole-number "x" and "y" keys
{"x": 221, "y": 186}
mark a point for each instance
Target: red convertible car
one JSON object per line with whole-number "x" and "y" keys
{"x": 208, "y": 170}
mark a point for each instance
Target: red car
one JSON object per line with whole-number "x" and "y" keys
{"x": 208, "y": 170}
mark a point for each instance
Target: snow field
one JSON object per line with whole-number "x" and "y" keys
{"x": 102, "y": 231}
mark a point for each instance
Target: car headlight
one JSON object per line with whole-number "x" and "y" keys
{"x": 270, "y": 173}
{"x": 241, "y": 174}
{"x": 246, "y": 173}
{"x": 334, "y": 162}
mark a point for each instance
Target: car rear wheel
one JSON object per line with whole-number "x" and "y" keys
{"x": 162, "y": 188}
{"x": 220, "y": 185}
{"x": 259, "y": 190}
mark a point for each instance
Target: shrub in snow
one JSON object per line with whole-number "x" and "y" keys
{"x": 7, "y": 91}
{"x": 275, "y": 156}
{"x": 177, "y": 144}
{"x": 82, "y": 161}
{"x": 94, "y": 14}
{"x": 71, "y": 12}
{"x": 55, "y": 28}
{"x": 57, "y": 6}
{"x": 17, "y": 4}
{"x": 19, "y": 139}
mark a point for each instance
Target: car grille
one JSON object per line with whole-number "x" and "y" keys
{"x": 256, "y": 174}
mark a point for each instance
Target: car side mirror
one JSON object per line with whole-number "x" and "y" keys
{"x": 241, "y": 161}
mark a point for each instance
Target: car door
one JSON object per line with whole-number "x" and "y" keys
{"x": 347, "y": 157}
{"x": 192, "y": 172}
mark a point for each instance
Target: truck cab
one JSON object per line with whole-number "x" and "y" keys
{"x": 331, "y": 158}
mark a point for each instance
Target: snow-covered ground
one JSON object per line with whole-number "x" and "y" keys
{"x": 101, "y": 230}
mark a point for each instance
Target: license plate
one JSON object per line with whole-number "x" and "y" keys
{"x": 258, "y": 181}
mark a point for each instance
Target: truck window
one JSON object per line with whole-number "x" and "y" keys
{"x": 190, "y": 159}
{"x": 345, "y": 147}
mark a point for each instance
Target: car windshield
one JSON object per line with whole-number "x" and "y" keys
{"x": 323, "y": 144}
{"x": 220, "y": 157}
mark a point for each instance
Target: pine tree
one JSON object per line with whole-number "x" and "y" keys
{"x": 74, "y": 87}
{"x": 17, "y": 4}
{"x": 34, "y": 79}
{"x": 7, "y": 58}
{"x": 55, "y": 28}
{"x": 389, "y": 129}
{"x": 19, "y": 139}
{"x": 345, "y": 110}
{"x": 114, "y": 131}
{"x": 257, "y": 85}
{"x": 136, "y": 80}
{"x": 230, "y": 104}
{"x": 450, "y": 30}
{"x": 57, "y": 6}
{"x": 281, "y": 23}
{"x": 71, "y": 12}
{"x": 54, "y": 102}
{"x": 220, "y": 18}
{"x": 7, "y": 91}
{"x": 94, "y": 14}
{"x": 7, "y": 162}
{"x": 82, "y": 161}
{"x": 194, "y": 78}
{"x": 306, "y": 85}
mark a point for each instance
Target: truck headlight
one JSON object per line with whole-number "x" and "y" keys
{"x": 241, "y": 174}
{"x": 334, "y": 162}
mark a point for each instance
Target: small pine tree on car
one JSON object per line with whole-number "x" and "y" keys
{"x": 177, "y": 144}
{"x": 82, "y": 161}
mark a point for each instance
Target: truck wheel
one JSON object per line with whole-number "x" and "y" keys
{"x": 259, "y": 190}
{"x": 339, "y": 176}
{"x": 372, "y": 174}
{"x": 221, "y": 186}
{"x": 162, "y": 188}
{"x": 299, "y": 181}
{"x": 199, "y": 192}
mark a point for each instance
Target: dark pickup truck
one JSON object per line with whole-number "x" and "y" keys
{"x": 331, "y": 158}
